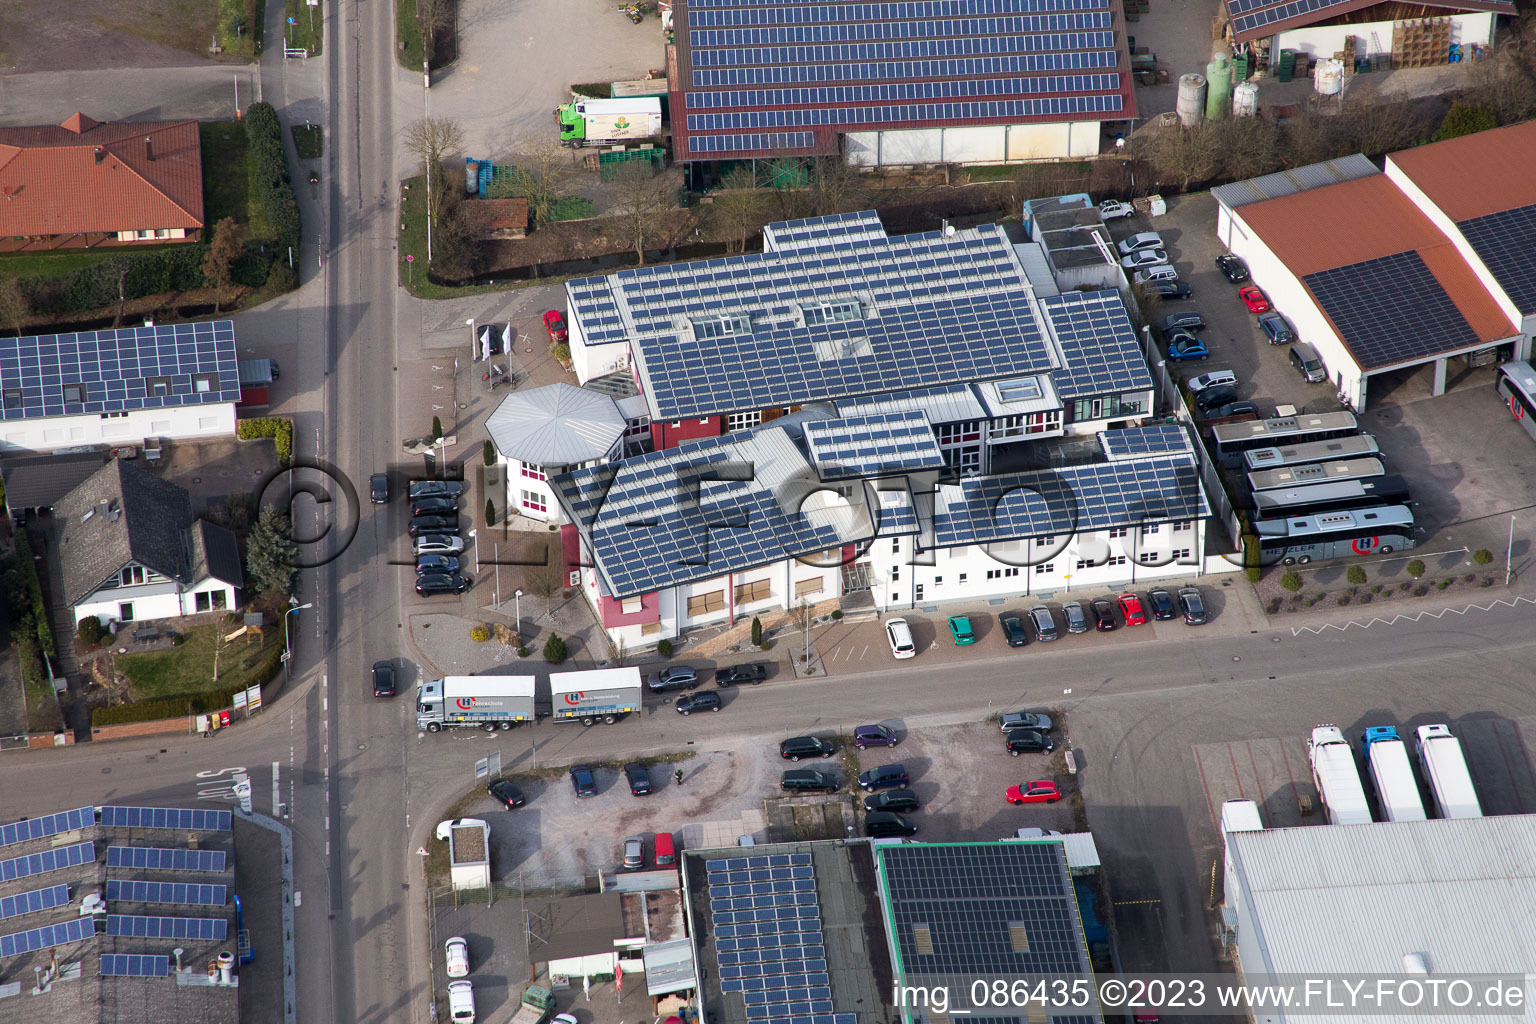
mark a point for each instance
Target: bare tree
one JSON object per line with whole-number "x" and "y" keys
{"x": 1183, "y": 154}
{"x": 434, "y": 17}
{"x": 15, "y": 307}
{"x": 545, "y": 579}
{"x": 432, "y": 139}
{"x": 543, "y": 174}
{"x": 739, "y": 207}
{"x": 1249, "y": 147}
{"x": 1504, "y": 85}
{"x": 219, "y": 262}
{"x": 834, "y": 187}
{"x": 1311, "y": 137}
{"x": 1372, "y": 125}
{"x": 644, "y": 200}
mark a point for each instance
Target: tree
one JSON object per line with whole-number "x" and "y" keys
{"x": 433, "y": 16}
{"x": 541, "y": 172}
{"x": 488, "y": 453}
{"x": 643, "y": 202}
{"x": 1355, "y": 575}
{"x": 1249, "y": 147}
{"x": 1184, "y": 155}
{"x": 456, "y": 253}
{"x": 490, "y": 511}
{"x": 739, "y": 207}
{"x": 15, "y": 307}
{"x": 271, "y": 556}
{"x": 1310, "y": 137}
{"x": 219, "y": 262}
{"x": 1482, "y": 556}
{"x": 833, "y": 186}
{"x": 1465, "y": 119}
{"x": 555, "y": 650}
{"x": 1372, "y": 125}
{"x": 1504, "y": 85}
{"x": 757, "y": 631}
{"x": 432, "y": 139}
{"x": 545, "y": 579}
{"x": 437, "y": 428}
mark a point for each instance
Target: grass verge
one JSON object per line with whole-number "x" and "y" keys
{"x": 309, "y": 141}
{"x": 188, "y": 669}
{"x": 304, "y": 28}
{"x": 51, "y": 264}
{"x": 408, "y": 40}
{"x": 239, "y": 27}
{"x": 226, "y": 186}
{"x": 43, "y": 715}
{"x": 413, "y": 242}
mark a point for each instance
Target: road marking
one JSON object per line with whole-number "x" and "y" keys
{"x": 1295, "y": 793}
{"x": 212, "y": 787}
{"x": 277, "y": 790}
{"x": 1134, "y": 903}
{"x": 1413, "y": 617}
{"x": 1237, "y": 776}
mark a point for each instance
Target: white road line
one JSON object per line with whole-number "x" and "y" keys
{"x": 277, "y": 790}
{"x": 1413, "y": 617}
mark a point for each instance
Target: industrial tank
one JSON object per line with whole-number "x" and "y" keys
{"x": 1329, "y": 77}
{"x": 1218, "y": 76}
{"x": 1191, "y": 102}
{"x": 1245, "y": 100}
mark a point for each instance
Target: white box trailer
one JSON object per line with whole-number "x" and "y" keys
{"x": 1445, "y": 766}
{"x": 1338, "y": 781}
{"x": 597, "y": 695}
{"x": 1386, "y": 761}
{"x": 490, "y": 702}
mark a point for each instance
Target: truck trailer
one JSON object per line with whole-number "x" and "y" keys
{"x": 591, "y": 122}
{"x": 598, "y": 695}
{"x": 1445, "y": 766}
{"x": 1386, "y": 762}
{"x": 1338, "y": 782}
{"x": 490, "y": 702}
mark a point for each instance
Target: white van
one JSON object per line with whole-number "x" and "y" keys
{"x": 1155, "y": 274}
{"x": 900, "y": 636}
{"x": 461, "y": 1002}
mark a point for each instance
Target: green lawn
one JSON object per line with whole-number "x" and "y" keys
{"x": 52, "y": 264}
{"x": 309, "y": 141}
{"x": 188, "y": 669}
{"x": 408, "y": 45}
{"x": 226, "y": 190}
{"x": 239, "y": 27}
{"x": 308, "y": 29}
{"x": 413, "y": 242}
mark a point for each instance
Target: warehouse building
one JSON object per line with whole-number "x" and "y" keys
{"x": 1409, "y": 35}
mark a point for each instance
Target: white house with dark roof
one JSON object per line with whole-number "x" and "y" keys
{"x": 130, "y": 550}
{"x": 174, "y": 382}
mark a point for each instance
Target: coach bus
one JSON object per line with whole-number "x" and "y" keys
{"x": 1231, "y": 440}
{"x": 1363, "y": 531}
{"x": 1357, "y": 447}
{"x": 1290, "y": 502}
{"x": 1315, "y": 473}
{"x": 1516, "y": 383}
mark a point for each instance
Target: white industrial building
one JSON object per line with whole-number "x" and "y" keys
{"x": 1323, "y": 28}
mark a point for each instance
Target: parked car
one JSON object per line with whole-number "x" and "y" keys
{"x": 461, "y": 1002}
{"x": 1130, "y": 607}
{"x": 1027, "y": 741}
{"x": 506, "y": 793}
{"x": 430, "y": 584}
{"x": 1103, "y": 615}
{"x": 892, "y": 800}
{"x": 1025, "y": 720}
{"x": 1045, "y": 625}
{"x": 434, "y": 489}
{"x": 1189, "y": 321}
{"x": 1253, "y": 299}
{"x": 1142, "y": 258}
{"x": 673, "y": 677}
{"x": 634, "y": 853}
{"x": 437, "y": 506}
{"x": 1013, "y": 630}
{"x": 797, "y": 747}
{"x": 1114, "y": 209}
{"x": 865, "y": 736}
{"x": 1214, "y": 398}
{"x": 960, "y": 629}
{"x": 583, "y": 780}
{"x": 1161, "y": 603}
{"x": 741, "y": 675}
{"x": 1193, "y": 605}
{"x": 422, "y": 525}
{"x": 456, "y": 952}
{"x": 639, "y": 778}
{"x": 437, "y": 544}
{"x": 378, "y": 488}
{"x": 899, "y": 635}
{"x": 1231, "y": 409}
{"x": 1184, "y": 347}
{"x": 383, "y": 679}
{"x": 1041, "y": 791}
{"x": 885, "y": 776}
{"x": 436, "y": 563}
{"x": 885, "y": 825}
{"x": 809, "y": 780}
{"x": 554, "y": 323}
{"x": 1211, "y": 379}
{"x": 1232, "y": 268}
{"x": 1171, "y": 291}
{"x": 1077, "y": 622}
{"x": 1152, "y": 275}
{"x": 708, "y": 700}
{"x": 1308, "y": 363}
{"x": 1139, "y": 241}
{"x": 1276, "y": 329}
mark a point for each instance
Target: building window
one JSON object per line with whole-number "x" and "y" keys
{"x": 631, "y": 605}
{"x": 201, "y": 601}
{"x": 743, "y": 420}
{"x": 938, "y": 581}
{"x": 895, "y": 574}
{"x": 1180, "y": 527}
{"x": 533, "y": 472}
{"x": 1044, "y": 541}
{"x": 1151, "y": 531}
{"x": 950, "y": 434}
{"x": 678, "y": 424}
{"x": 757, "y": 590}
{"x": 1181, "y": 553}
{"x": 706, "y": 604}
{"x": 810, "y": 587}
{"x": 1118, "y": 532}
{"x": 962, "y": 579}
{"x": 650, "y": 628}
{"x": 114, "y": 415}
{"x": 131, "y": 575}
{"x": 74, "y": 394}
{"x": 534, "y": 501}
{"x": 637, "y": 427}
{"x": 999, "y": 574}
{"x": 1116, "y": 560}
{"x": 205, "y": 383}
{"x": 1045, "y": 569}
{"x": 896, "y": 545}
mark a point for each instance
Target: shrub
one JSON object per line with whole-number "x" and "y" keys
{"x": 275, "y": 427}
{"x": 1311, "y": 601}
{"x": 1274, "y": 605}
{"x": 268, "y": 171}
{"x": 765, "y": 645}
{"x": 488, "y": 453}
{"x": 1443, "y": 584}
{"x": 554, "y": 649}
{"x": 561, "y": 351}
{"x": 837, "y": 613}
{"x": 178, "y": 639}
{"x": 1414, "y": 568}
{"x": 1482, "y": 556}
{"x": 39, "y": 611}
{"x": 1376, "y": 589}
{"x": 490, "y": 512}
{"x": 757, "y": 631}
{"x": 281, "y": 277}
{"x": 664, "y": 648}
{"x": 480, "y": 634}
{"x": 1355, "y": 575}
{"x": 1404, "y": 585}
{"x": 1291, "y": 581}
{"x": 1366, "y": 598}
{"x": 1420, "y": 590}
{"x": 1343, "y": 599}
{"x": 523, "y": 652}
{"x": 437, "y": 428}
{"x": 1469, "y": 577}
{"x": 1486, "y": 581}
{"x": 90, "y": 631}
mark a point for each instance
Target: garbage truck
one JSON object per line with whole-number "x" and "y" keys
{"x": 592, "y": 122}
{"x": 490, "y": 702}
{"x": 597, "y": 695}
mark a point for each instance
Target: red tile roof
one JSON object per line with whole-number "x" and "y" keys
{"x": 1478, "y": 174}
{"x": 53, "y": 181}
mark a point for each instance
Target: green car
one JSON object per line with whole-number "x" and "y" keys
{"x": 960, "y": 626}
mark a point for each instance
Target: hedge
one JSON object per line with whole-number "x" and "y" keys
{"x": 193, "y": 704}
{"x": 175, "y": 269}
{"x": 35, "y": 591}
{"x": 269, "y": 173}
{"x": 275, "y": 427}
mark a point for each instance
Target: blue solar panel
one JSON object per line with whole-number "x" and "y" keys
{"x": 158, "y": 858}
{"x": 214, "y": 928}
{"x": 884, "y": 444}
{"x": 196, "y": 894}
{"x": 1504, "y": 242}
{"x": 1159, "y": 439}
{"x": 47, "y": 860}
{"x": 1391, "y": 310}
{"x": 45, "y": 937}
{"x": 133, "y": 965}
{"x": 34, "y": 901}
{"x": 47, "y": 825}
{"x": 196, "y": 819}
{"x": 1098, "y": 343}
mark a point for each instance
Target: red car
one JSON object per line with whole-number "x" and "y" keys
{"x": 1040, "y": 791}
{"x": 1130, "y": 607}
{"x": 554, "y": 323}
{"x": 1253, "y": 299}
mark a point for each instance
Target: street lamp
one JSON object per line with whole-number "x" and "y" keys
{"x": 294, "y": 606}
{"x": 517, "y": 609}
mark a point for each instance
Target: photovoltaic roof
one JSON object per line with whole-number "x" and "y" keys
{"x": 47, "y": 825}
{"x": 46, "y": 937}
{"x": 1097, "y": 343}
{"x": 873, "y": 446}
{"x": 789, "y": 78}
{"x": 47, "y": 860}
{"x": 196, "y": 819}
{"x": 159, "y": 858}
{"x": 34, "y": 901}
{"x": 118, "y": 371}
{"x": 1255, "y": 18}
{"x": 213, "y": 928}
{"x": 1133, "y": 442}
{"x": 134, "y": 965}
{"x": 1505, "y": 241}
{"x": 190, "y": 893}
{"x": 1391, "y": 310}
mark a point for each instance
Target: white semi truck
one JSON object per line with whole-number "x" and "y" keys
{"x": 1338, "y": 781}
{"x": 597, "y": 695}
{"x": 490, "y": 702}
{"x": 1386, "y": 762}
{"x": 1445, "y": 766}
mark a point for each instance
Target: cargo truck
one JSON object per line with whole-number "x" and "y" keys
{"x": 490, "y": 702}
{"x": 1338, "y": 782}
{"x": 599, "y": 695}
{"x": 589, "y": 122}
{"x": 1386, "y": 762}
{"x": 1445, "y": 767}
{"x": 537, "y": 1004}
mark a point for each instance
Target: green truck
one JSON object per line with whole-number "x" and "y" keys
{"x": 593, "y": 122}
{"x": 538, "y": 1003}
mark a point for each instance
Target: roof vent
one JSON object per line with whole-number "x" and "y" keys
{"x": 832, "y": 349}
{"x": 1415, "y": 963}
{"x": 100, "y": 153}
{"x": 922, "y": 938}
{"x": 88, "y": 514}
{"x": 149, "y": 149}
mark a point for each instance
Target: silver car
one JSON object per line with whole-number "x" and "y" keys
{"x": 437, "y": 544}
{"x": 1077, "y": 620}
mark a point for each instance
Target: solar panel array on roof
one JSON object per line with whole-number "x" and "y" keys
{"x": 159, "y": 858}
{"x": 1504, "y": 241}
{"x": 191, "y": 893}
{"x": 118, "y": 371}
{"x": 213, "y": 928}
{"x": 1134, "y": 442}
{"x": 1098, "y": 343}
{"x": 47, "y": 825}
{"x": 47, "y": 860}
{"x": 46, "y": 937}
{"x": 1391, "y": 310}
{"x": 196, "y": 819}
{"x": 34, "y": 901}
{"x": 1260, "y": 17}
{"x": 811, "y": 233}
{"x": 873, "y": 446}
{"x": 134, "y": 965}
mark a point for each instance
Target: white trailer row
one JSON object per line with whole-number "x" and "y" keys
{"x": 1391, "y": 775}
{"x": 500, "y": 702}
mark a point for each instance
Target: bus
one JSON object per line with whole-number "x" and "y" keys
{"x": 1231, "y": 440}
{"x": 1516, "y": 383}
{"x": 1290, "y": 502}
{"x": 1357, "y": 447}
{"x": 1314, "y": 473}
{"x": 1364, "y": 531}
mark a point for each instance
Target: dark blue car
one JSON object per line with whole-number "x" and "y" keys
{"x": 583, "y": 780}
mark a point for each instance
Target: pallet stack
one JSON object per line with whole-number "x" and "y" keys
{"x": 1422, "y": 43}
{"x": 1134, "y": 9}
{"x": 1286, "y": 69}
{"x": 1347, "y": 56}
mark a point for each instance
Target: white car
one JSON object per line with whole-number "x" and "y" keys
{"x": 1213, "y": 379}
{"x": 457, "y": 951}
{"x": 1144, "y": 258}
{"x": 899, "y": 635}
{"x": 562, "y": 1018}
{"x": 1137, "y": 242}
{"x": 437, "y": 544}
{"x": 1114, "y": 209}
{"x": 461, "y": 1002}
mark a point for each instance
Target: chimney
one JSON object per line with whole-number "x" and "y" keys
{"x": 100, "y": 153}
{"x": 149, "y": 149}
{"x": 226, "y": 966}
{"x": 177, "y": 954}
